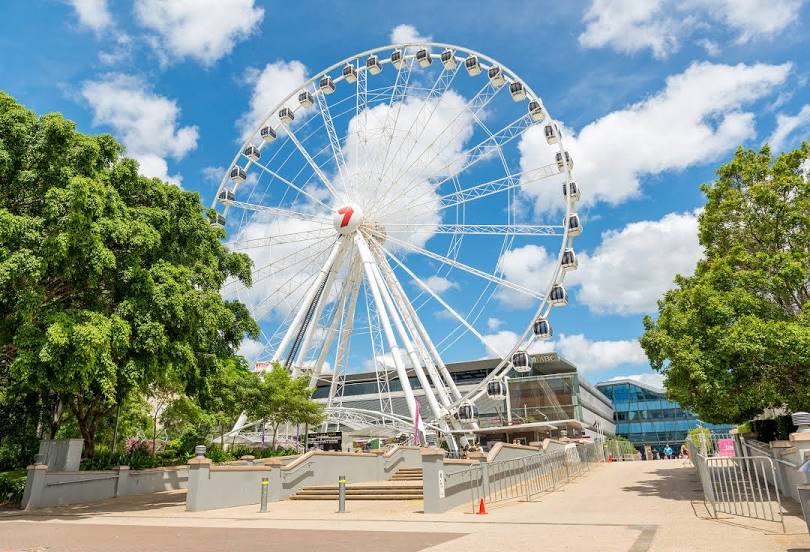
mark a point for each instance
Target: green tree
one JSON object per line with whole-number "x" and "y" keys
{"x": 734, "y": 338}
{"x": 109, "y": 280}
{"x": 280, "y": 398}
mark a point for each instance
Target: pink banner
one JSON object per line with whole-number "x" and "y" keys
{"x": 726, "y": 447}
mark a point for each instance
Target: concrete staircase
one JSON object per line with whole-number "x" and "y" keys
{"x": 408, "y": 474}
{"x": 406, "y": 484}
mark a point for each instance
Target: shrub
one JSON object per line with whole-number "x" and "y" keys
{"x": 12, "y": 486}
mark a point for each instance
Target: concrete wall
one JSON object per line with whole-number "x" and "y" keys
{"x": 211, "y": 487}
{"x": 449, "y": 483}
{"x": 45, "y": 488}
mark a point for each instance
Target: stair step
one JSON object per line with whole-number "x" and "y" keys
{"x": 407, "y": 487}
{"x": 358, "y": 497}
{"x": 358, "y": 492}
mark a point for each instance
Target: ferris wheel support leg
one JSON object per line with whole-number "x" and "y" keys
{"x": 416, "y": 362}
{"x": 345, "y": 332}
{"x": 322, "y": 300}
{"x": 368, "y": 266}
{"x": 299, "y": 316}
{"x": 327, "y": 342}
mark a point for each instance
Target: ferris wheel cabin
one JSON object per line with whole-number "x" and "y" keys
{"x": 558, "y": 296}
{"x": 542, "y": 328}
{"x": 238, "y": 175}
{"x": 496, "y": 390}
{"x": 536, "y": 111}
{"x": 305, "y": 99}
{"x": 268, "y": 134}
{"x": 397, "y": 59}
{"x": 423, "y": 58}
{"x": 286, "y": 115}
{"x": 326, "y": 85}
{"x": 521, "y": 362}
{"x": 496, "y": 76}
{"x": 373, "y": 65}
{"x": 252, "y": 152}
{"x": 472, "y": 66}
{"x": 349, "y": 73}
{"x": 449, "y": 59}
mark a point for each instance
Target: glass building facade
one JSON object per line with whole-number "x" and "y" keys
{"x": 645, "y": 416}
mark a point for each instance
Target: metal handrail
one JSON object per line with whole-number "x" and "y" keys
{"x": 306, "y": 464}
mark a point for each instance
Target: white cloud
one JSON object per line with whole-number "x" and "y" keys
{"x": 250, "y": 348}
{"x": 270, "y": 85}
{"x": 695, "y": 119}
{"x": 653, "y": 379}
{"x": 588, "y": 356}
{"x": 530, "y": 266}
{"x": 632, "y": 267}
{"x": 203, "y": 30}
{"x": 144, "y": 121}
{"x": 121, "y": 51}
{"x": 712, "y": 48}
{"x": 786, "y": 125}
{"x": 93, "y": 14}
{"x": 407, "y": 34}
{"x": 494, "y": 323}
{"x": 630, "y": 26}
{"x": 212, "y": 174}
{"x": 439, "y": 284}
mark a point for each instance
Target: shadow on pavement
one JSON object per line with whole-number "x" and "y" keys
{"x": 671, "y": 484}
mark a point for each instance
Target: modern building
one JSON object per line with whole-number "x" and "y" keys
{"x": 645, "y": 416}
{"x": 552, "y": 400}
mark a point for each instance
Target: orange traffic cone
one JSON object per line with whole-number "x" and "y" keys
{"x": 481, "y": 508}
{"x": 610, "y": 458}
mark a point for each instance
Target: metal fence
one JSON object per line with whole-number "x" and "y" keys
{"x": 528, "y": 476}
{"x": 738, "y": 485}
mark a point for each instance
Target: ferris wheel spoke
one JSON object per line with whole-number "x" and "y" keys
{"x": 295, "y": 187}
{"x": 279, "y": 239}
{"x": 483, "y": 229}
{"x": 466, "y": 268}
{"x": 441, "y": 301}
{"x": 337, "y": 150}
{"x": 315, "y": 167}
{"x": 397, "y": 96}
{"x": 279, "y": 211}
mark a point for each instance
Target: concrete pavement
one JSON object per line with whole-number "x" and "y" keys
{"x": 630, "y": 506}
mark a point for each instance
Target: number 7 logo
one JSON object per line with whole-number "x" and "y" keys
{"x": 347, "y": 213}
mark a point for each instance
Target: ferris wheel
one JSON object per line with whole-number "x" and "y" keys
{"x": 380, "y": 202}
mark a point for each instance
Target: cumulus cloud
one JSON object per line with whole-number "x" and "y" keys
{"x": 250, "y": 348}
{"x": 494, "y": 323}
{"x": 589, "y": 356}
{"x": 530, "y": 266}
{"x": 202, "y": 30}
{"x": 439, "y": 284}
{"x": 407, "y": 34}
{"x": 270, "y": 85}
{"x": 630, "y": 26}
{"x": 632, "y": 267}
{"x": 146, "y": 122}
{"x": 787, "y": 125}
{"x": 93, "y": 14}
{"x": 695, "y": 119}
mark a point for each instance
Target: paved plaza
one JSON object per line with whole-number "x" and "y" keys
{"x": 631, "y": 506}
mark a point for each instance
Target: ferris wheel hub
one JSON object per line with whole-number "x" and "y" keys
{"x": 347, "y": 219}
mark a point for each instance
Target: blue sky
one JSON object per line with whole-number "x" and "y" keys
{"x": 652, "y": 97}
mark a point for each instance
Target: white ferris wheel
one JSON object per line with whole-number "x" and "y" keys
{"x": 373, "y": 188}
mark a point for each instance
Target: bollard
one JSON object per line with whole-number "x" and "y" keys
{"x": 265, "y": 487}
{"x": 341, "y": 494}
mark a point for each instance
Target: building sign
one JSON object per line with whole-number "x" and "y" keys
{"x": 332, "y": 438}
{"x": 441, "y": 483}
{"x": 262, "y": 365}
{"x": 726, "y": 447}
{"x": 546, "y": 358}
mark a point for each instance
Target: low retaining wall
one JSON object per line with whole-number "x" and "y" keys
{"x": 211, "y": 487}
{"x": 45, "y": 488}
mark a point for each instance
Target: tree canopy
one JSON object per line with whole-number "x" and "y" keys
{"x": 734, "y": 338}
{"x": 109, "y": 281}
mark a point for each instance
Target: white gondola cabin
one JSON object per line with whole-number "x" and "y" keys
{"x": 496, "y": 390}
{"x": 449, "y": 59}
{"x": 552, "y": 133}
{"x": 522, "y": 362}
{"x": 397, "y": 59}
{"x": 286, "y": 115}
{"x": 238, "y": 175}
{"x": 574, "y": 191}
{"x": 569, "y": 260}
{"x": 267, "y": 133}
{"x": 219, "y": 221}
{"x": 558, "y": 296}
{"x": 518, "y": 91}
{"x": 252, "y": 152}
{"x": 496, "y": 76}
{"x": 373, "y": 65}
{"x": 542, "y": 328}
{"x": 574, "y": 226}
{"x": 226, "y": 195}
{"x": 327, "y": 85}
{"x": 536, "y": 111}
{"x": 472, "y": 66}
{"x": 467, "y": 412}
{"x": 564, "y": 159}
{"x": 305, "y": 99}
{"x": 423, "y": 57}
{"x": 349, "y": 73}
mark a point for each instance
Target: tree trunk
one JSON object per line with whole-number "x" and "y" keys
{"x": 154, "y": 432}
{"x": 275, "y": 432}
